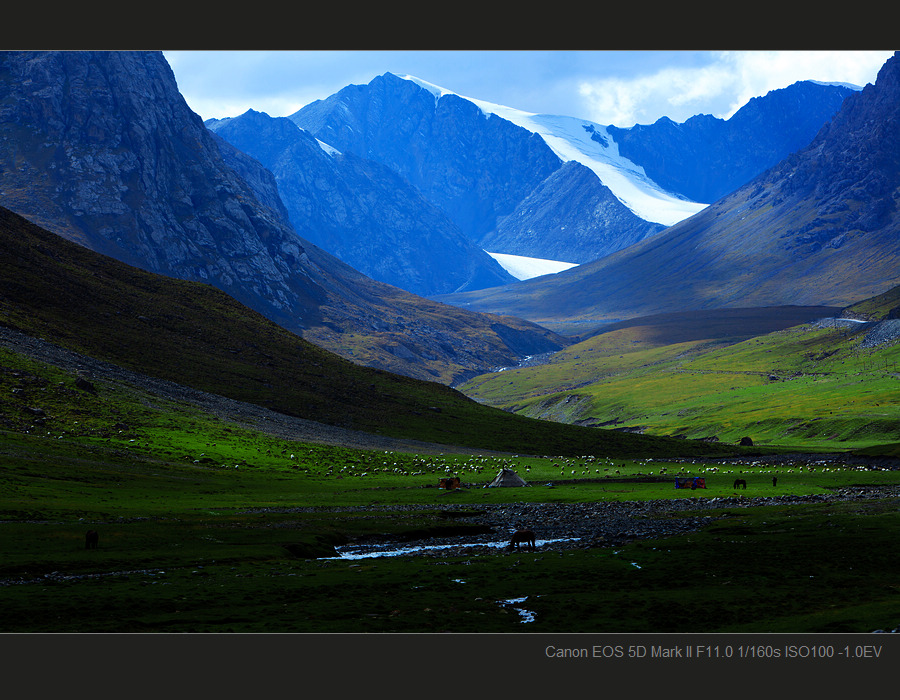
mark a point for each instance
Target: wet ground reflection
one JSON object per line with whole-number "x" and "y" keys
{"x": 393, "y": 550}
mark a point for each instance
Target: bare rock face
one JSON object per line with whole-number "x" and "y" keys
{"x": 361, "y": 211}
{"x": 101, "y": 148}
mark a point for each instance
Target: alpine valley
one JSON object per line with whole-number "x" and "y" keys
{"x": 100, "y": 148}
{"x": 291, "y": 373}
{"x": 379, "y": 223}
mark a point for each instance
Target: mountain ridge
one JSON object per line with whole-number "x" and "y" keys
{"x": 362, "y": 211}
{"x": 819, "y": 228}
{"x": 624, "y": 205}
{"x": 474, "y": 168}
{"x": 782, "y": 122}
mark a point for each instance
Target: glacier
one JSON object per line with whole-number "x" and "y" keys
{"x": 590, "y": 144}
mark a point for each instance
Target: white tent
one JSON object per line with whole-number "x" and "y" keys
{"x": 507, "y": 477}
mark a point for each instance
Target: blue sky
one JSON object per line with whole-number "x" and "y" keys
{"x": 608, "y": 87}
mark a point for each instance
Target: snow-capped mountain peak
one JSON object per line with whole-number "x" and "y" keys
{"x": 435, "y": 90}
{"x": 591, "y": 145}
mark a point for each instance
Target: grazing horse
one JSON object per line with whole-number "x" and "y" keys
{"x": 91, "y": 539}
{"x": 740, "y": 482}
{"x": 525, "y": 536}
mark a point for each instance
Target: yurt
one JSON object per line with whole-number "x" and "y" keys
{"x": 507, "y": 477}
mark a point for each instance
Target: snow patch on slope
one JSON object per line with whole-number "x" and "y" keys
{"x": 591, "y": 145}
{"x": 524, "y": 268}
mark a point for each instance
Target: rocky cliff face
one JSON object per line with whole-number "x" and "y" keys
{"x": 362, "y": 211}
{"x": 100, "y": 148}
{"x": 474, "y": 167}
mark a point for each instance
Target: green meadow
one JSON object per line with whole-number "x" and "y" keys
{"x": 209, "y": 526}
{"x": 803, "y": 387}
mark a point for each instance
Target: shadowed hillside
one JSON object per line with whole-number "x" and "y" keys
{"x": 194, "y": 334}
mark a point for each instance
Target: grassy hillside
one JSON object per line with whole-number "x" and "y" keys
{"x": 804, "y": 386}
{"x": 195, "y": 335}
{"x": 877, "y": 308}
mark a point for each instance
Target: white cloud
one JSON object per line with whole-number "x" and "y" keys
{"x": 609, "y": 87}
{"x": 222, "y": 84}
{"x": 758, "y": 72}
{"x": 727, "y": 81}
{"x": 671, "y": 91}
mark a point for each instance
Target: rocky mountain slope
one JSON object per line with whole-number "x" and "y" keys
{"x": 571, "y": 216}
{"x": 100, "y": 148}
{"x": 706, "y": 158}
{"x": 495, "y": 170}
{"x": 474, "y": 167}
{"x": 361, "y": 211}
{"x": 819, "y": 228}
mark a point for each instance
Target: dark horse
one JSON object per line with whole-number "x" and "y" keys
{"x": 91, "y": 539}
{"x": 525, "y": 536}
{"x": 740, "y": 482}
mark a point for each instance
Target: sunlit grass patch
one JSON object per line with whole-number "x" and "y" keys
{"x": 807, "y": 387}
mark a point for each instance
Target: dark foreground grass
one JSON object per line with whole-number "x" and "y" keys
{"x": 817, "y": 568}
{"x": 192, "y": 546}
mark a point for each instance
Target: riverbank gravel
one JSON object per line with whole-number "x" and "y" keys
{"x": 564, "y": 526}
